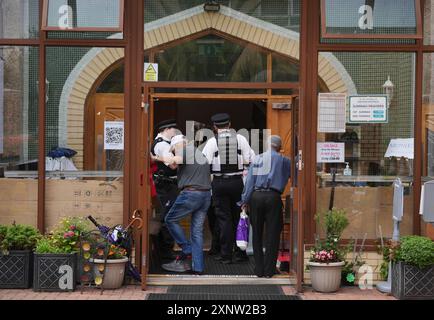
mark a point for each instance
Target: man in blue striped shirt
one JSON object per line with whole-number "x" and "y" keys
{"x": 266, "y": 181}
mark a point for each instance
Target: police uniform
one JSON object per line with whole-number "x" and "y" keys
{"x": 165, "y": 185}
{"x": 228, "y": 153}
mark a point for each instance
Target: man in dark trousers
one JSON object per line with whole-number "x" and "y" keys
{"x": 165, "y": 183}
{"x": 266, "y": 181}
{"x": 228, "y": 153}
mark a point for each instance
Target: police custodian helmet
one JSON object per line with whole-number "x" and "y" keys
{"x": 170, "y": 123}
{"x": 221, "y": 119}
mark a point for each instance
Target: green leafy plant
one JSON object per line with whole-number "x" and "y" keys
{"x": 415, "y": 250}
{"x": 18, "y": 237}
{"x": 334, "y": 223}
{"x": 46, "y": 245}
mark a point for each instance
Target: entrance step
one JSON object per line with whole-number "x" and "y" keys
{"x": 169, "y": 280}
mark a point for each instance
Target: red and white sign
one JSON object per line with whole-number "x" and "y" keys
{"x": 330, "y": 152}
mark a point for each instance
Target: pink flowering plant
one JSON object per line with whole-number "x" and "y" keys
{"x": 65, "y": 237}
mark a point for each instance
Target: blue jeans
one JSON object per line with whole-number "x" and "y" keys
{"x": 195, "y": 203}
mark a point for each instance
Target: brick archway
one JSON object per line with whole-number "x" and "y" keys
{"x": 174, "y": 27}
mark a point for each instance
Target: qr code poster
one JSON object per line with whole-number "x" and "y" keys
{"x": 114, "y": 135}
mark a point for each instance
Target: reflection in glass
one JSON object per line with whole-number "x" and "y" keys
{"x": 18, "y": 134}
{"x": 366, "y": 191}
{"x": 212, "y": 58}
{"x": 19, "y": 19}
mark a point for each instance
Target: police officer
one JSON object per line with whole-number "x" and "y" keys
{"x": 165, "y": 182}
{"x": 228, "y": 153}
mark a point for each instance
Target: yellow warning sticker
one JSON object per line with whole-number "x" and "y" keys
{"x": 151, "y": 72}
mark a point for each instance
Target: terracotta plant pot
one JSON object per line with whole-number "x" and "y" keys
{"x": 326, "y": 277}
{"x": 114, "y": 272}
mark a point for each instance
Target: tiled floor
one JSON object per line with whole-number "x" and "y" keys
{"x": 135, "y": 293}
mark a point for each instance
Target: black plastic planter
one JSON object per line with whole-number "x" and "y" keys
{"x": 15, "y": 270}
{"x": 412, "y": 283}
{"x": 55, "y": 272}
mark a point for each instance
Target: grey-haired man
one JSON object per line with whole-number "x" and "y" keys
{"x": 265, "y": 183}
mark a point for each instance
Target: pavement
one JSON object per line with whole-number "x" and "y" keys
{"x": 135, "y": 292}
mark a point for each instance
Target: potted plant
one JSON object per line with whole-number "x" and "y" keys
{"x": 112, "y": 270}
{"x": 55, "y": 265}
{"x": 327, "y": 258}
{"x": 413, "y": 268}
{"x": 16, "y": 245}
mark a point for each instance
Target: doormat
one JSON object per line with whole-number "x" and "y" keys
{"x": 224, "y": 292}
{"x": 215, "y": 268}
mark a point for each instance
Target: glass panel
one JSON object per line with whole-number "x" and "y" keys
{"x": 19, "y": 19}
{"x": 429, "y": 22}
{"x": 19, "y": 135}
{"x": 284, "y": 70}
{"x": 384, "y": 81}
{"x": 212, "y": 58}
{"x": 87, "y": 177}
{"x": 64, "y": 14}
{"x": 360, "y": 17}
{"x": 284, "y": 13}
{"x": 428, "y": 129}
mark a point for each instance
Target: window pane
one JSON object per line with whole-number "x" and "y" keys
{"x": 428, "y": 130}
{"x": 86, "y": 14}
{"x": 89, "y": 178}
{"x": 19, "y": 19}
{"x": 429, "y": 22}
{"x": 285, "y": 70}
{"x": 366, "y": 193}
{"x": 360, "y": 17}
{"x": 212, "y": 59}
{"x": 19, "y": 135}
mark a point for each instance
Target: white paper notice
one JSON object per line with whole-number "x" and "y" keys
{"x": 332, "y": 112}
{"x": 368, "y": 109}
{"x": 330, "y": 152}
{"x": 400, "y": 148}
{"x": 114, "y": 135}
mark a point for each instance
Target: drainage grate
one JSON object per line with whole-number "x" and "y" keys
{"x": 214, "y": 297}
{"x": 224, "y": 292}
{"x": 227, "y": 289}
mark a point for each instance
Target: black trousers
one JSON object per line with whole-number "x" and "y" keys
{"x": 226, "y": 193}
{"x": 167, "y": 194}
{"x": 266, "y": 211}
{"x": 214, "y": 228}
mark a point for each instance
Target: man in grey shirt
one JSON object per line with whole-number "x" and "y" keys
{"x": 194, "y": 181}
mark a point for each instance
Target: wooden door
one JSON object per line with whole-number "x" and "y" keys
{"x": 279, "y": 121}
{"x": 108, "y": 107}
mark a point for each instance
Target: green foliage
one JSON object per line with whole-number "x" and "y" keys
{"x": 415, "y": 250}
{"x": 18, "y": 237}
{"x": 65, "y": 237}
{"x": 333, "y": 223}
{"x": 46, "y": 245}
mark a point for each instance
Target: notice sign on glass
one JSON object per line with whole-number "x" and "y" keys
{"x": 114, "y": 135}
{"x": 332, "y": 112}
{"x": 330, "y": 152}
{"x": 368, "y": 109}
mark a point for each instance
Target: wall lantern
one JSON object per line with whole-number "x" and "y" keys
{"x": 211, "y": 6}
{"x": 388, "y": 89}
